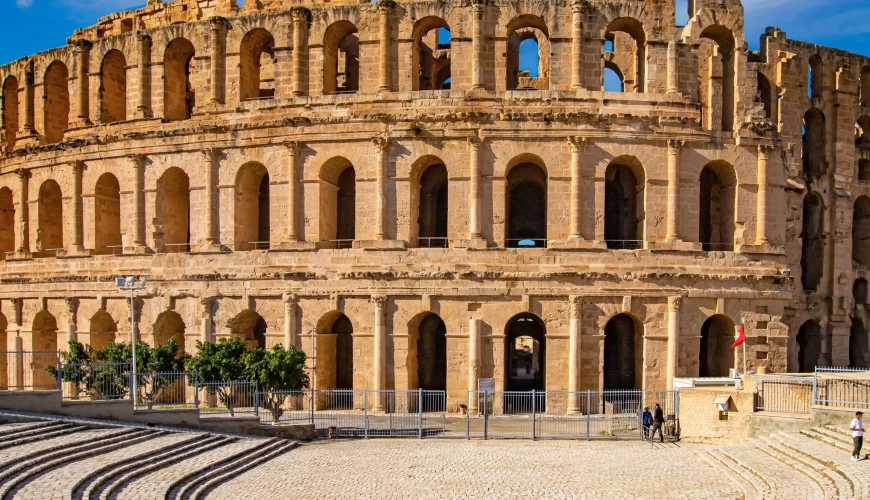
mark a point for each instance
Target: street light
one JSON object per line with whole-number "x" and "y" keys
{"x": 129, "y": 284}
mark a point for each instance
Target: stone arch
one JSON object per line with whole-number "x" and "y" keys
{"x": 114, "y": 89}
{"x": 624, "y": 203}
{"x": 10, "y": 110}
{"x": 173, "y": 211}
{"x": 252, "y": 213}
{"x": 716, "y": 355}
{"x": 718, "y": 206}
{"x": 257, "y": 65}
{"x": 718, "y": 45}
{"x": 623, "y": 353}
{"x": 525, "y": 354}
{"x": 526, "y": 202}
{"x": 765, "y": 93}
{"x": 861, "y": 231}
{"x": 522, "y": 29}
{"x": 338, "y": 202}
{"x": 813, "y": 244}
{"x": 428, "y": 365}
{"x": 4, "y": 359}
{"x": 179, "y": 97}
{"x": 862, "y": 130}
{"x": 815, "y": 77}
{"x": 629, "y": 47}
{"x": 45, "y": 346}
{"x": 610, "y": 68}
{"x": 814, "y": 149}
{"x": 429, "y": 203}
{"x": 335, "y": 351}
{"x": 341, "y": 54}
{"x": 107, "y": 214}
{"x": 429, "y": 56}
{"x": 50, "y": 207}
{"x": 56, "y": 105}
{"x": 103, "y": 330}
{"x": 865, "y": 86}
{"x": 7, "y": 222}
{"x": 859, "y": 345}
{"x": 250, "y": 327}
{"x": 809, "y": 346}
{"x": 169, "y": 324}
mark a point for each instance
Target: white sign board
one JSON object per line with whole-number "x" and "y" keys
{"x": 486, "y": 385}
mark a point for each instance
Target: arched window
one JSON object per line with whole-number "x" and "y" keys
{"x": 173, "y": 211}
{"x": 623, "y": 353}
{"x": 169, "y": 325}
{"x": 862, "y": 131}
{"x": 250, "y": 327}
{"x": 56, "y": 107}
{"x": 430, "y": 336}
{"x": 432, "y": 212}
{"x": 335, "y": 368}
{"x": 44, "y": 343}
{"x": 861, "y": 231}
{"x": 10, "y": 111}
{"x": 865, "y": 86}
{"x": 338, "y": 203}
{"x": 525, "y": 359}
{"x": 809, "y": 344}
{"x": 341, "y": 52}
{"x": 252, "y": 225}
{"x": 613, "y": 79}
{"x": 50, "y": 204}
{"x": 624, "y": 202}
{"x": 528, "y": 53}
{"x": 814, "y": 144}
{"x": 526, "y": 207}
{"x": 257, "y": 68}
{"x": 718, "y": 89}
{"x": 103, "y": 329}
{"x": 765, "y": 94}
{"x": 813, "y": 244}
{"x": 430, "y": 54}
{"x": 815, "y": 78}
{"x": 179, "y": 97}
{"x": 716, "y": 355}
{"x": 717, "y": 207}
{"x": 864, "y": 170}
{"x": 626, "y": 38}
{"x": 114, "y": 89}
{"x": 7, "y": 221}
{"x": 107, "y": 214}
{"x": 859, "y": 357}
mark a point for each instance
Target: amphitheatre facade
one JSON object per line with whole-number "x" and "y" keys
{"x": 382, "y": 186}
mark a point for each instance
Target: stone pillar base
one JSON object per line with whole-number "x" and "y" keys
{"x": 472, "y": 244}
{"x": 293, "y": 246}
{"x": 674, "y": 246}
{"x": 29, "y": 140}
{"x": 764, "y": 248}
{"x": 76, "y": 252}
{"x": 20, "y": 255}
{"x": 209, "y": 247}
{"x": 577, "y": 244}
{"x": 380, "y": 244}
{"x": 137, "y": 250}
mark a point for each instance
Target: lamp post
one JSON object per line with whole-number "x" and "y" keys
{"x": 129, "y": 284}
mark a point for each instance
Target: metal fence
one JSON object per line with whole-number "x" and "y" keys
{"x": 226, "y": 399}
{"x": 785, "y": 394}
{"x": 28, "y": 370}
{"x": 94, "y": 381}
{"x": 842, "y": 388}
{"x": 164, "y": 390}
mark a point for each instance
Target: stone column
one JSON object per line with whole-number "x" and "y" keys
{"x": 82, "y": 50}
{"x": 575, "y": 352}
{"x": 77, "y": 245}
{"x": 72, "y": 306}
{"x": 137, "y": 221}
{"x": 576, "y": 144}
{"x": 576, "y": 44}
{"x": 98, "y": 108}
{"x": 385, "y": 8}
{"x": 143, "y": 110}
{"x": 477, "y": 8}
{"x": 211, "y": 240}
{"x": 762, "y": 236}
{"x": 474, "y": 230}
{"x": 473, "y": 360}
{"x": 291, "y": 336}
{"x": 672, "y": 68}
{"x": 673, "y": 339}
{"x": 380, "y": 358}
{"x": 383, "y": 161}
{"x": 293, "y": 148}
{"x": 23, "y": 235}
{"x": 28, "y": 99}
{"x": 205, "y": 325}
{"x": 674, "y": 148}
{"x": 217, "y": 74}
{"x": 300, "y": 49}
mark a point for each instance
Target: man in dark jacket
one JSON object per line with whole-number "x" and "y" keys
{"x": 658, "y": 422}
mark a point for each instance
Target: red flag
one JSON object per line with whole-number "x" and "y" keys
{"x": 741, "y": 337}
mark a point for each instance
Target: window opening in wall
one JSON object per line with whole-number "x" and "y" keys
{"x": 716, "y": 70}
{"x": 432, "y": 210}
{"x": 765, "y": 95}
{"x": 815, "y": 82}
{"x": 56, "y": 106}
{"x": 346, "y": 213}
{"x": 864, "y": 170}
{"x": 526, "y": 207}
{"x": 626, "y": 39}
{"x": 50, "y": 232}
{"x": 865, "y": 86}
{"x": 862, "y": 131}
{"x": 257, "y": 65}
{"x": 107, "y": 215}
{"x": 7, "y": 221}
{"x": 813, "y": 245}
{"x": 858, "y": 345}
{"x": 528, "y": 54}
{"x": 716, "y": 356}
{"x": 250, "y": 327}
{"x": 682, "y": 14}
{"x": 341, "y": 59}
{"x": 860, "y": 291}
{"x": 103, "y": 330}
{"x": 10, "y": 111}
{"x": 431, "y": 54}
{"x": 717, "y": 207}
{"x": 624, "y": 205}
{"x": 252, "y": 225}
{"x": 114, "y": 88}
{"x": 861, "y": 231}
{"x": 443, "y": 38}
{"x": 814, "y": 144}
{"x": 179, "y": 97}
{"x": 173, "y": 212}
{"x": 169, "y": 325}
{"x": 809, "y": 342}
{"x": 608, "y": 46}
{"x": 613, "y": 80}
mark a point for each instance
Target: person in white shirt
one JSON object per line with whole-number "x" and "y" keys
{"x": 857, "y": 428}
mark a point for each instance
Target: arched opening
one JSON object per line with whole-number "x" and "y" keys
{"x": 44, "y": 335}
{"x": 716, "y": 355}
{"x": 173, "y": 211}
{"x": 252, "y": 229}
{"x": 431, "y": 359}
{"x": 813, "y": 244}
{"x": 525, "y": 362}
{"x": 338, "y": 203}
{"x": 7, "y": 224}
{"x": 623, "y": 353}
{"x": 50, "y": 205}
{"x": 865, "y": 86}
{"x": 614, "y": 81}
{"x": 814, "y": 144}
{"x": 5, "y": 382}
{"x": 335, "y": 358}
{"x": 860, "y": 291}
{"x": 809, "y": 342}
{"x": 528, "y": 53}
{"x": 624, "y": 202}
{"x": 107, "y": 214}
{"x": 432, "y": 213}
{"x": 179, "y": 97}
{"x": 717, "y": 207}
{"x": 257, "y": 68}
{"x": 10, "y": 111}
{"x": 765, "y": 94}
{"x": 716, "y": 55}
{"x": 862, "y": 131}
{"x": 114, "y": 89}
{"x": 861, "y": 231}
{"x": 341, "y": 58}
{"x": 430, "y": 54}
{"x": 56, "y": 102}
{"x": 250, "y": 327}
{"x": 169, "y": 325}
{"x": 626, "y": 38}
{"x": 815, "y": 77}
{"x": 526, "y": 207}
{"x": 103, "y": 330}
{"x": 864, "y": 170}
{"x": 858, "y": 345}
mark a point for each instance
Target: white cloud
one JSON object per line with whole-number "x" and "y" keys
{"x": 23, "y": 4}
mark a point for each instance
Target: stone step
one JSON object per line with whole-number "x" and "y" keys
{"x": 824, "y": 438}
{"x": 233, "y": 472}
{"x": 834, "y": 459}
{"x": 12, "y": 456}
{"x": 40, "y": 435}
{"x": 9, "y": 429}
{"x": 817, "y": 474}
{"x": 782, "y": 483}
{"x": 758, "y": 488}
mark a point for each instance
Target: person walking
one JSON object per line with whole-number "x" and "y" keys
{"x": 857, "y": 428}
{"x": 658, "y": 422}
{"x": 646, "y": 421}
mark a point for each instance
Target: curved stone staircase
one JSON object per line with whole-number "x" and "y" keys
{"x": 57, "y": 457}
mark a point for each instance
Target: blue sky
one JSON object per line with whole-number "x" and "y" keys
{"x": 33, "y": 25}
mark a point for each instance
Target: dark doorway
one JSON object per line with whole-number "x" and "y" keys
{"x": 622, "y": 208}
{"x": 343, "y": 329}
{"x": 622, "y": 337}
{"x": 716, "y": 355}
{"x": 433, "y": 207}
{"x": 346, "y": 210}
{"x": 432, "y": 360}
{"x": 525, "y": 363}
{"x": 858, "y": 345}
{"x": 527, "y": 207}
{"x": 809, "y": 341}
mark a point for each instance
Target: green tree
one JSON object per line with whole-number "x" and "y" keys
{"x": 76, "y": 368}
{"x": 277, "y": 373}
{"x": 215, "y": 364}
{"x": 157, "y": 368}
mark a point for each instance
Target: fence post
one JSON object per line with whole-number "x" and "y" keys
{"x": 195, "y": 390}
{"x": 60, "y": 378}
{"x": 420, "y": 410}
{"x": 815, "y": 387}
{"x": 588, "y": 414}
{"x": 131, "y": 385}
{"x": 485, "y": 416}
{"x": 256, "y": 402}
{"x": 311, "y": 405}
{"x": 468, "y": 415}
{"x": 534, "y": 402}
{"x": 366, "y": 412}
